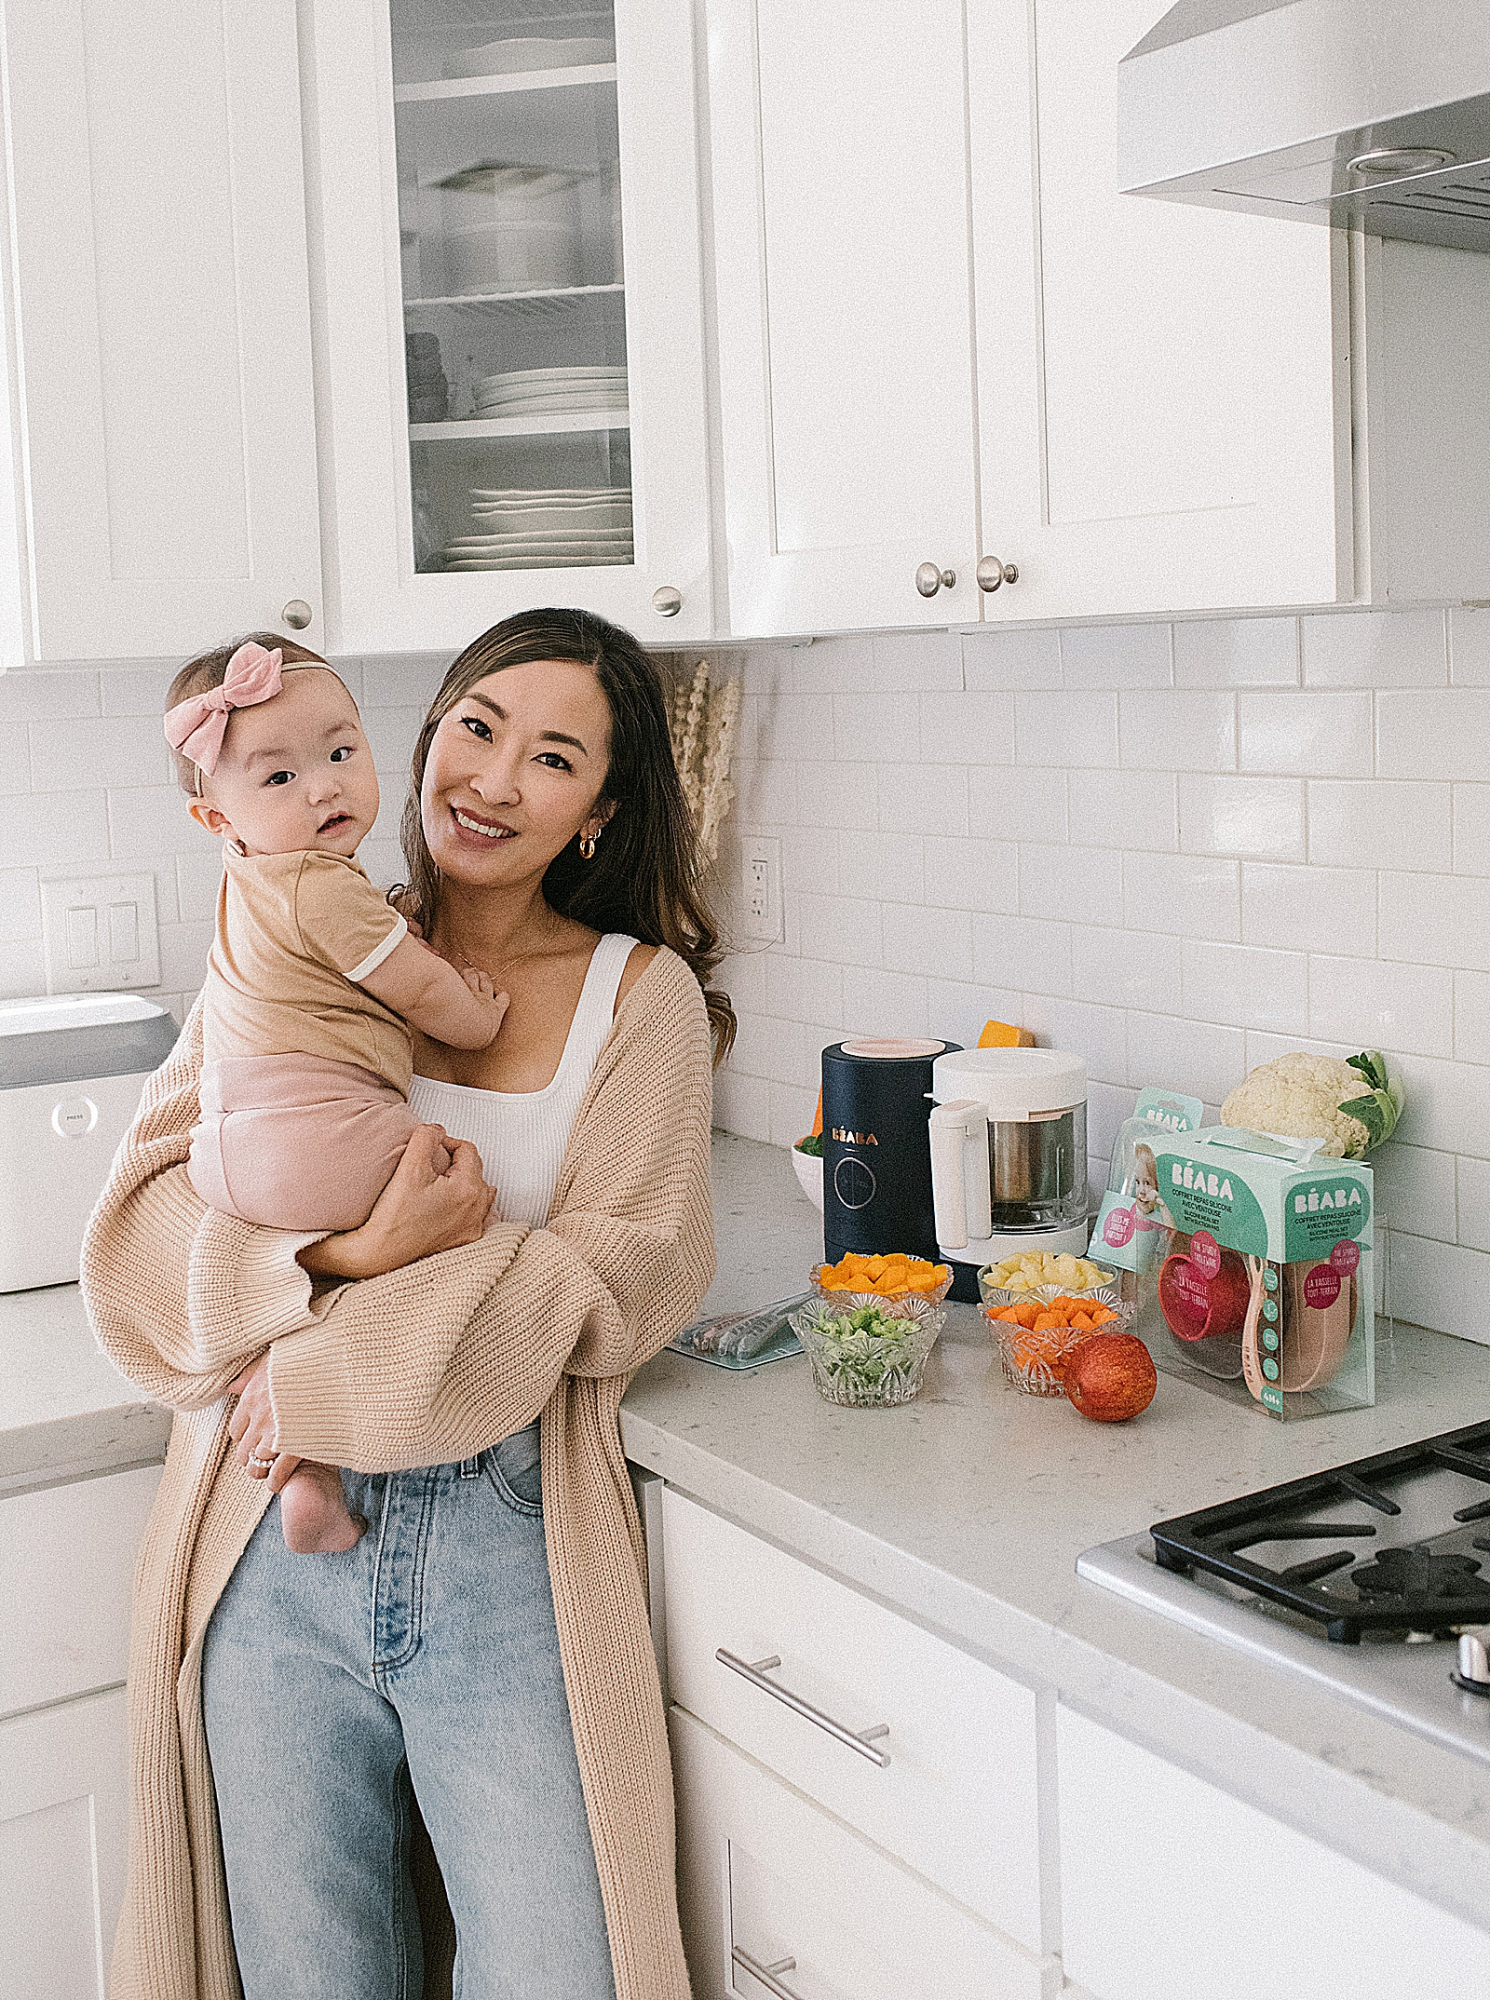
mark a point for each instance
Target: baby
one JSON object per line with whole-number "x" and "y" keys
{"x": 311, "y": 978}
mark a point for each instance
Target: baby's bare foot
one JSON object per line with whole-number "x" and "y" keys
{"x": 314, "y": 1515}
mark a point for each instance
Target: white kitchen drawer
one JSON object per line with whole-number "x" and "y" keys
{"x": 765, "y": 1874}
{"x": 67, "y": 1558}
{"x": 957, "y": 1798}
{"x": 1172, "y": 1886}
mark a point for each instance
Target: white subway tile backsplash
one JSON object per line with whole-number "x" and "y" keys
{"x": 803, "y": 989}
{"x": 1390, "y": 649}
{"x": 1022, "y": 954}
{"x": 1248, "y": 985}
{"x": 965, "y": 728}
{"x": 766, "y": 795}
{"x": 1469, "y": 647}
{"x": 1372, "y": 823}
{"x": 199, "y": 874}
{"x": 1471, "y": 841}
{"x": 183, "y": 955}
{"x": 1070, "y": 882}
{"x": 1258, "y": 819}
{"x": 55, "y": 830}
{"x": 15, "y": 758}
{"x": 150, "y": 819}
{"x": 1308, "y": 735}
{"x": 1126, "y": 968}
{"x": 912, "y": 661}
{"x": 1432, "y": 733}
{"x": 22, "y": 969}
{"x": 883, "y": 1003}
{"x": 1017, "y": 803}
{"x": 1448, "y": 1106}
{"x": 37, "y": 695}
{"x": 1065, "y": 730}
{"x": 844, "y": 928}
{"x": 1190, "y": 895}
{"x": 1436, "y": 919}
{"x": 1236, "y": 652}
{"x": 864, "y": 728}
{"x": 1116, "y": 656}
{"x": 397, "y": 680}
{"x": 786, "y": 717}
{"x": 880, "y": 865}
{"x": 1196, "y": 1057}
{"x": 1472, "y": 1188}
{"x": 1184, "y": 729}
{"x": 391, "y": 733}
{"x": 126, "y": 690}
{"x": 1402, "y": 1009}
{"x": 1011, "y": 659}
{"x": 742, "y": 1103}
{"x": 1127, "y": 809}
{"x": 923, "y": 798}
{"x": 1472, "y": 1016}
{"x": 20, "y": 905}
{"x": 1440, "y": 1284}
{"x": 809, "y": 859}
{"x": 1309, "y": 909}
{"x": 930, "y": 942}
{"x": 970, "y": 874}
{"x": 1097, "y": 1033}
{"x": 957, "y": 1011}
{"x": 101, "y": 750}
{"x": 1415, "y": 1189}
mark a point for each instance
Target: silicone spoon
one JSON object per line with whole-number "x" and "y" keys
{"x": 1251, "y": 1366}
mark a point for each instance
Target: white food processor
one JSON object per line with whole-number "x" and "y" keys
{"x": 1008, "y": 1157}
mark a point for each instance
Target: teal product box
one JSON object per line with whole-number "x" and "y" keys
{"x": 1265, "y": 1288}
{"x": 1128, "y": 1232}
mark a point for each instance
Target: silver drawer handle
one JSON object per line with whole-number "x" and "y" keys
{"x": 862, "y": 1740}
{"x": 766, "y": 1974}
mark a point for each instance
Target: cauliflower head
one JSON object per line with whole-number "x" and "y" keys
{"x": 1299, "y": 1097}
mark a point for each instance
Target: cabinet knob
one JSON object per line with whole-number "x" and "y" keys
{"x": 991, "y": 573}
{"x": 667, "y": 600}
{"x": 297, "y": 614}
{"x": 930, "y": 579}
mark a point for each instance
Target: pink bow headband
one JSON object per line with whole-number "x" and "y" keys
{"x": 196, "y": 726}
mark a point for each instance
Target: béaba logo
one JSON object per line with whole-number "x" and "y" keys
{"x": 1308, "y": 1201}
{"x": 1217, "y": 1186}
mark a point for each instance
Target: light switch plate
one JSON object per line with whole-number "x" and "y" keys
{"x": 760, "y": 887}
{"x": 99, "y": 933}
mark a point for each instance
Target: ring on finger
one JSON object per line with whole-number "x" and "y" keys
{"x": 263, "y": 1464}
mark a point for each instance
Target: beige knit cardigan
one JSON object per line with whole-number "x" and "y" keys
{"x": 432, "y": 1363}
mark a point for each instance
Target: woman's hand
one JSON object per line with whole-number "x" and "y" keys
{"x": 436, "y": 1200}
{"x": 251, "y": 1427}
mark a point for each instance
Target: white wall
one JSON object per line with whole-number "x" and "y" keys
{"x": 1174, "y": 850}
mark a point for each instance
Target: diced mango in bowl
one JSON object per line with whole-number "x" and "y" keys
{"x": 1038, "y": 1267}
{"x": 891, "y": 1277}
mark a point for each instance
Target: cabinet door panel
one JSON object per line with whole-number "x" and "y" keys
{"x": 1169, "y": 1885}
{"x": 63, "y": 1807}
{"x": 841, "y": 247}
{"x": 160, "y": 322}
{"x": 1164, "y": 416}
{"x": 763, "y": 1872}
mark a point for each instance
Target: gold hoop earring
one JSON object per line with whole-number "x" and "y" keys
{"x": 587, "y": 846}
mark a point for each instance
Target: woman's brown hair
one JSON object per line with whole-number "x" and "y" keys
{"x": 644, "y": 878}
{"x": 209, "y": 670}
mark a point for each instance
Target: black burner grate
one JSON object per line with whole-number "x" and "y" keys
{"x": 1395, "y": 1590}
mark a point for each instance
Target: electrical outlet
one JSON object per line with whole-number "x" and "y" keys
{"x": 99, "y": 932}
{"x": 760, "y": 888}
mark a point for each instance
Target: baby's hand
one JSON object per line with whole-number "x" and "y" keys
{"x": 482, "y": 987}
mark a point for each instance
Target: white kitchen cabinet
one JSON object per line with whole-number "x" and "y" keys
{"x": 67, "y": 1557}
{"x": 475, "y": 219}
{"x": 1171, "y": 1886}
{"x": 159, "y": 425}
{"x": 768, "y": 1881}
{"x": 950, "y": 1784}
{"x": 919, "y": 243}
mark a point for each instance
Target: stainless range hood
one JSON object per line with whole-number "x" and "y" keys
{"x": 1333, "y": 111}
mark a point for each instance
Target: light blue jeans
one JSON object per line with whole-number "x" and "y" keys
{"x": 425, "y": 1659}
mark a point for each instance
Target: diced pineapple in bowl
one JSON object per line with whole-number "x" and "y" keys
{"x": 1040, "y": 1275}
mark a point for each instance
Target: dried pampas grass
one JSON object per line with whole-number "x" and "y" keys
{"x": 703, "y": 720}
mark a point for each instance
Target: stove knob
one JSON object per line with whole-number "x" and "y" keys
{"x": 1474, "y": 1663}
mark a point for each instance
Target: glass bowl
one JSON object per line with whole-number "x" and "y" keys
{"x": 1033, "y": 1362}
{"x": 868, "y": 1369}
{"x": 925, "y": 1298}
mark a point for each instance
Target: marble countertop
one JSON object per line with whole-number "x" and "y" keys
{"x": 65, "y": 1410}
{"x": 968, "y": 1509}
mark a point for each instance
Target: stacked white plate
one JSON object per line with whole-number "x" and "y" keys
{"x": 510, "y": 58}
{"x": 544, "y": 528}
{"x": 527, "y": 392}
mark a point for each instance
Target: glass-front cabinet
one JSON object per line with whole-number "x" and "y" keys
{"x": 511, "y": 325}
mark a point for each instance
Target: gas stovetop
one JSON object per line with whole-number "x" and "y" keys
{"x": 1400, "y": 1568}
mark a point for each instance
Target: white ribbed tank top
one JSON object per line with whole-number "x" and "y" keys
{"x": 521, "y": 1135}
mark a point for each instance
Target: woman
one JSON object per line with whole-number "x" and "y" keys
{"x": 311, "y": 1701}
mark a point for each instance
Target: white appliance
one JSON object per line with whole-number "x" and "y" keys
{"x": 71, "y": 1071}
{"x": 1331, "y": 111}
{"x": 1008, "y": 1153}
